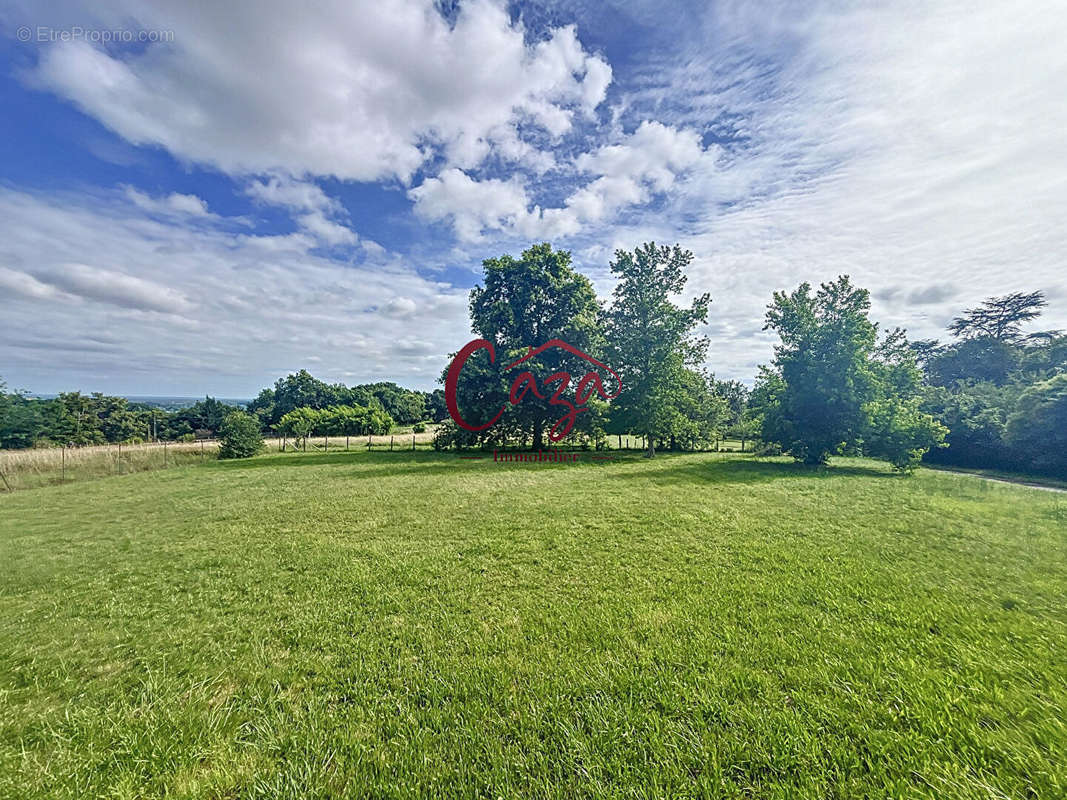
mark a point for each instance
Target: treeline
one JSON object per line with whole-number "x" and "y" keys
{"x": 295, "y": 403}
{"x": 992, "y": 397}
{"x": 834, "y": 386}
{"x": 1002, "y": 392}
{"x": 79, "y": 419}
{"x": 302, "y": 390}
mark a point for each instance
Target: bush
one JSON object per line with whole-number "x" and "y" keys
{"x": 1037, "y": 430}
{"x": 187, "y": 437}
{"x": 239, "y": 436}
{"x": 418, "y": 427}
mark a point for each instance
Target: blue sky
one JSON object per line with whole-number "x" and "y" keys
{"x": 232, "y": 193}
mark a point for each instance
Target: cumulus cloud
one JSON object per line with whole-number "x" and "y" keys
{"x": 471, "y": 206}
{"x": 360, "y": 91}
{"x": 628, "y": 173}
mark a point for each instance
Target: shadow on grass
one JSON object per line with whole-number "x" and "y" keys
{"x": 748, "y": 470}
{"x": 699, "y": 467}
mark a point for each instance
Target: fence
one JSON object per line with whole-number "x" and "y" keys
{"x": 26, "y": 469}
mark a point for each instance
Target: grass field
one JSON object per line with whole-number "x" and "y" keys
{"x": 400, "y": 624}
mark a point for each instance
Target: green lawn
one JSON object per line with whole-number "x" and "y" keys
{"x": 400, "y": 624}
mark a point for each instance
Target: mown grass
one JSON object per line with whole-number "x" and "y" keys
{"x": 409, "y": 624}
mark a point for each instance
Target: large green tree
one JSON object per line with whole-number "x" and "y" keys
{"x": 834, "y": 388}
{"x": 524, "y": 303}
{"x": 652, "y": 342}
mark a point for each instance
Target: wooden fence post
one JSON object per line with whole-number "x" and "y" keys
{"x": 413, "y": 441}
{"x": 390, "y": 444}
{"x": 64, "y": 473}
{"x": 164, "y": 452}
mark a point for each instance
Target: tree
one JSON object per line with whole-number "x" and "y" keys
{"x": 999, "y": 318}
{"x": 298, "y": 423}
{"x": 833, "y": 387}
{"x": 206, "y": 414}
{"x": 1038, "y": 427}
{"x": 404, "y": 405}
{"x": 239, "y": 436}
{"x": 20, "y": 418}
{"x": 651, "y": 341}
{"x": 298, "y": 390}
{"x": 436, "y": 407}
{"x": 524, "y": 303}
{"x": 976, "y": 359}
{"x": 700, "y": 414}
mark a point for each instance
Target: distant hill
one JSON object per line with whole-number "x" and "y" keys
{"x": 165, "y": 402}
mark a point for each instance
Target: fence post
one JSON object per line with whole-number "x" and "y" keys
{"x": 391, "y": 443}
{"x": 413, "y": 441}
{"x": 368, "y": 441}
{"x": 64, "y": 473}
{"x": 164, "y": 452}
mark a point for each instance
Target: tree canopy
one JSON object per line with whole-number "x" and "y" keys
{"x": 833, "y": 388}
{"x": 652, "y": 344}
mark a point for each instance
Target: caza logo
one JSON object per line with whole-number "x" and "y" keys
{"x": 526, "y": 381}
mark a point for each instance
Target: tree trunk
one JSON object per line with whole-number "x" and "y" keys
{"x": 539, "y": 434}
{"x": 651, "y": 451}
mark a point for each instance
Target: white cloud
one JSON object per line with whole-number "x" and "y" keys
{"x": 472, "y": 206}
{"x": 115, "y": 288}
{"x": 628, "y": 173}
{"x": 186, "y": 307}
{"x": 400, "y": 307}
{"x": 917, "y": 147}
{"x": 20, "y": 284}
{"x": 313, "y": 206}
{"x": 174, "y": 203}
{"x": 360, "y": 90}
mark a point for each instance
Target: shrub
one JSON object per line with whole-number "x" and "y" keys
{"x": 418, "y": 427}
{"x": 239, "y": 436}
{"x": 1037, "y": 429}
{"x": 187, "y": 437}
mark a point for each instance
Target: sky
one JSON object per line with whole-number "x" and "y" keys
{"x": 199, "y": 197}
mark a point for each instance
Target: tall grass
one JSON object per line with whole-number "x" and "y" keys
{"x": 26, "y": 469}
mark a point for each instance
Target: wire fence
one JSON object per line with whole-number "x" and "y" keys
{"x": 46, "y": 466}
